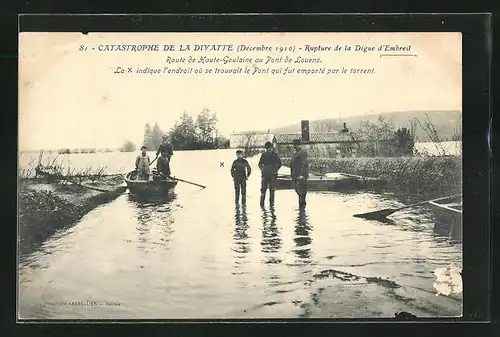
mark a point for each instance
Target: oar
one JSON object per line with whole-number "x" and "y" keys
{"x": 189, "y": 182}
{"x": 381, "y": 214}
{"x": 185, "y": 181}
{"x": 154, "y": 161}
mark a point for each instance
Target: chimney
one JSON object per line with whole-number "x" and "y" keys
{"x": 268, "y": 131}
{"x": 305, "y": 130}
{"x": 345, "y": 129}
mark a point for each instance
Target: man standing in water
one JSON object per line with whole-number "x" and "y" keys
{"x": 269, "y": 165}
{"x": 166, "y": 147}
{"x": 240, "y": 171}
{"x": 142, "y": 164}
{"x": 299, "y": 167}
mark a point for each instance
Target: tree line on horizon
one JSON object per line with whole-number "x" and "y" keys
{"x": 186, "y": 134}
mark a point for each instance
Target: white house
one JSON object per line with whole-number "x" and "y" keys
{"x": 250, "y": 139}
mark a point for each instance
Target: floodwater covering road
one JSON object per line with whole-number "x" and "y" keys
{"x": 200, "y": 256}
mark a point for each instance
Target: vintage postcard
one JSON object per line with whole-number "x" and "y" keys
{"x": 240, "y": 175}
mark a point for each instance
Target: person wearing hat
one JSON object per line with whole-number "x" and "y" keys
{"x": 299, "y": 169}
{"x": 269, "y": 165}
{"x": 142, "y": 164}
{"x": 240, "y": 171}
{"x": 166, "y": 147}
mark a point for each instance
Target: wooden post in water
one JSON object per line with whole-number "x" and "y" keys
{"x": 305, "y": 130}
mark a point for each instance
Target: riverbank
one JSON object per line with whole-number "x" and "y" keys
{"x": 406, "y": 175}
{"x": 45, "y": 208}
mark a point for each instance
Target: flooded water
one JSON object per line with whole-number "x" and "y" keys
{"x": 200, "y": 256}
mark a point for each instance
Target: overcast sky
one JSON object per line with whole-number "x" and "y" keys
{"x": 72, "y": 99}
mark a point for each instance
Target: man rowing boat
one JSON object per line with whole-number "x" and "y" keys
{"x": 163, "y": 164}
{"x": 166, "y": 147}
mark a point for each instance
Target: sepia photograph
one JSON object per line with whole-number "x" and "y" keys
{"x": 239, "y": 176}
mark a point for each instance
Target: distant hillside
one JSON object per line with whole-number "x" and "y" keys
{"x": 445, "y": 122}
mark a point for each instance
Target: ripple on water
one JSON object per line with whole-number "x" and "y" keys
{"x": 199, "y": 255}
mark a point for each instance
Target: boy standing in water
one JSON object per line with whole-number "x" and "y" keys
{"x": 240, "y": 171}
{"x": 142, "y": 164}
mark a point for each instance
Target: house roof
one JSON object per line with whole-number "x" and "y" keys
{"x": 317, "y": 137}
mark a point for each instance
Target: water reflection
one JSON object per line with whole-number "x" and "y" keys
{"x": 302, "y": 238}
{"x": 143, "y": 227}
{"x": 271, "y": 241}
{"x": 153, "y": 216}
{"x": 271, "y": 245}
{"x": 241, "y": 243}
{"x": 240, "y": 236}
{"x": 152, "y": 200}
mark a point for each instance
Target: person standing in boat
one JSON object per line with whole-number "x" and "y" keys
{"x": 299, "y": 167}
{"x": 163, "y": 165}
{"x": 166, "y": 147}
{"x": 142, "y": 164}
{"x": 269, "y": 165}
{"x": 240, "y": 171}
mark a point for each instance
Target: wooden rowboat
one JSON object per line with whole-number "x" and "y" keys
{"x": 448, "y": 216}
{"x": 154, "y": 187}
{"x": 332, "y": 182}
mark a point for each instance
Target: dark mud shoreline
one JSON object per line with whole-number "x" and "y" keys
{"x": 335, "y": 293}
{"x": 44, "y": 208}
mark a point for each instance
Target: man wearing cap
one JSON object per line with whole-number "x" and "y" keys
{"x": 142, "y": 164}
{"x": 269, "y": 165}
{"x": 299, "y": 167}
{"x": 166, "y": 147}
{"x": 240, "y": 171}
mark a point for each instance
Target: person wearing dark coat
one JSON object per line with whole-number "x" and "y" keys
{"x": 163, "y": 165}
{"x": 166, "y": 147}
{"x": 299, "y": 167}
{"x": 240, "y": 171}
{"x": 269, "y": 165}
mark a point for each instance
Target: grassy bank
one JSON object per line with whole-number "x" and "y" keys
{"x": 408, "y": 175}
{"x": 45, "y": 208}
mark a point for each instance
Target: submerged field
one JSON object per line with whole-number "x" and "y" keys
{"x": 407, "y": 175}
{"x": 201, "y": 256}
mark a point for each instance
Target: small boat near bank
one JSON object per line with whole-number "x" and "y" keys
{"x": 448, "y": 215}
{"x": 446, "y": 212}
{"x": 332, "y": 182}
{"x": 154, "y": 187}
